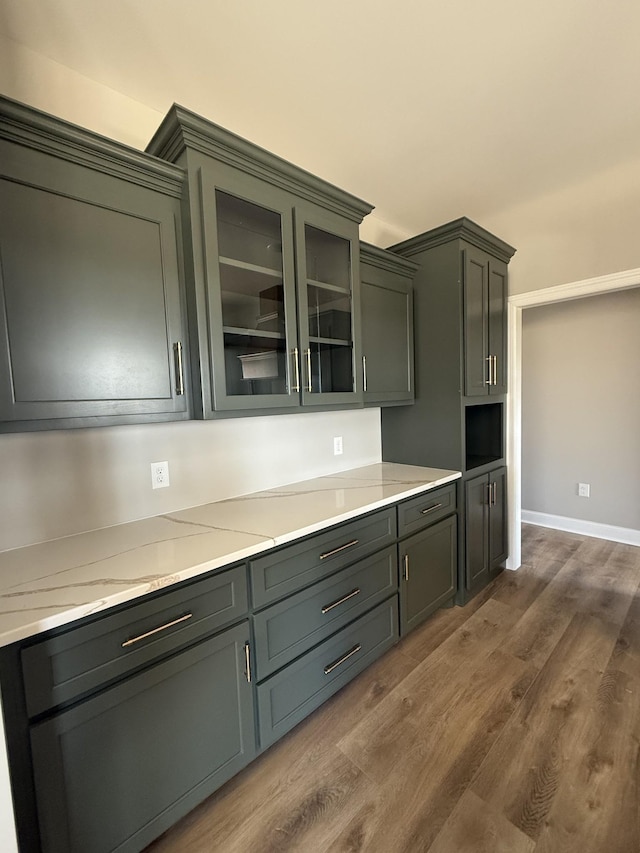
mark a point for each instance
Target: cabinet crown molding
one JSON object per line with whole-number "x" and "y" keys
{"x": 182, "y": 129}
{"x": 459, "y": 229}
{"x": 30, "y": 127}
{"x": 385, "y": 260}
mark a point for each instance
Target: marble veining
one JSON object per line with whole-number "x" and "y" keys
{"x": 54, "y": 583}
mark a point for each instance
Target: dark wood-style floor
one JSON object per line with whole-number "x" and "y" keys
{"x": 509, "y": 726}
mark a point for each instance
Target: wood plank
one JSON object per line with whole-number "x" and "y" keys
{"x": 442, "y": 744}
{"x": 596, "y": 808}
{"x": 524, "y": 771}
{"x": 475, "y": 827}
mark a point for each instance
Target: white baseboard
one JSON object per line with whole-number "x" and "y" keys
{"x": 626, "y": 535}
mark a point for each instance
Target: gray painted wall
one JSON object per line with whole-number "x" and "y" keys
{"x": 581, "y": 408}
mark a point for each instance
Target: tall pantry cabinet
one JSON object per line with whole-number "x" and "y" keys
{"x": 458, "y": 420}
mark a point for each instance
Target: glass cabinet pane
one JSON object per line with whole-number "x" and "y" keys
{"x": 330, "y": 317}
{"x": 328, "y": 258}
{"x": 252, "y": 295}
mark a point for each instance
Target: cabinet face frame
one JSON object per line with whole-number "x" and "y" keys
{"x": 107, "y": 194}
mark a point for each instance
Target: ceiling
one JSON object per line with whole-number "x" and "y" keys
{"x": 428, "y": 110}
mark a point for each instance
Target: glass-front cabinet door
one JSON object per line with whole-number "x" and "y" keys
{"x": 327, "y": 267}
{"x": 252, "y": 318}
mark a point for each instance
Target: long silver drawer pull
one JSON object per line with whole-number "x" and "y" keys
{"x": 489, "y": 360}
{"x": 405, "y": 560}
{"x": 296, "y": 369}
{"x": 310, "y": 383}
{"x": 247, "y": 662}
{"x": 342, "y": 600}
{"x": 431, "y": 509}
{"x": 337, "y": 550}
{"x": 364, "y": 372}
{"x": 177, "y": 355}
{"x": 156, "y": 630}
{"x": 344, "y": 658}
{"x": 495, "y": 369}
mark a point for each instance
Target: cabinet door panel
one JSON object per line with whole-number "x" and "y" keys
{"x": 429, "y": 558}
{"x": 247, "y": 324}
{"x": 387, "y": 341}
{"x": 328, "y": 271}
{"x": 90, "y": 304}
{"x": 476, "y": 529}
{"x": 475, "y": 271}
{"x": 114, "y": 772}
{"x": 498, "y": 527}
{"x": 498, "y": 324}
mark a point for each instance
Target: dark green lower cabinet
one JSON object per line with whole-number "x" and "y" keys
{"x": 486, "y": 526}
{"x": 115, "y": 771}
{"x": 428, "y": 566}
{"x": 293, "y": 693}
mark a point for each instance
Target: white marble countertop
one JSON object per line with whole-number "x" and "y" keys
{"x": 53, "y": 583}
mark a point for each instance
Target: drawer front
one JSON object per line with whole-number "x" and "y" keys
{"x": 296, "y": 566}
{"x": 291, "y": 627}
{"x": 74, "y": 663}
{"x": 424, "y": 509}
{"x": 290, "y": 695}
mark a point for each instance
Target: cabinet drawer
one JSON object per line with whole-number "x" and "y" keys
{"x": 76, "y": 662}
{"x": 424, "y": 509}
{"x": 290, "y": 695}
{"x": 296, "y": 566}
{"x": 291, "y": 627}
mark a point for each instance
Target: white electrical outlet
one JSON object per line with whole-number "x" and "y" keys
{"x": 584, "y": 490}
{"x": 337, "y": 445}
{"x": 160, "y": 475}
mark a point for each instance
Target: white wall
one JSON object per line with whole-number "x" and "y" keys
{"x": 581, "y": 408}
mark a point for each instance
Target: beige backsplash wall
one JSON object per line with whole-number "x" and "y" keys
{"x": 67, "y": 481}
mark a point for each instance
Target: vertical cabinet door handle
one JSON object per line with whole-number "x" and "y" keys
{"x": 247, "y": 662}
{"x": 179, "y": 367}
{"x": 296, "y": 369}
{"x": 364, "y": 372}
{"x": 489, "y": 494}
{"x": 489, "y": 360}
{"x": 495, "y": 493}
{"x": 309, "y": 385}
{"x": 495, "y": 370}
{"x": 405, "y": 563}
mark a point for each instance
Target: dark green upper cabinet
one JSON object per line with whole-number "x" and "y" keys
{"x": 92, "y": 321}
{"x": 485, "y": 323}
{"x": 273, "y": 274}
{"x": 387, "y": 326}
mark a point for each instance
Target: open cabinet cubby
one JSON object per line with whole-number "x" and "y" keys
{"x": 483, "y": 434}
